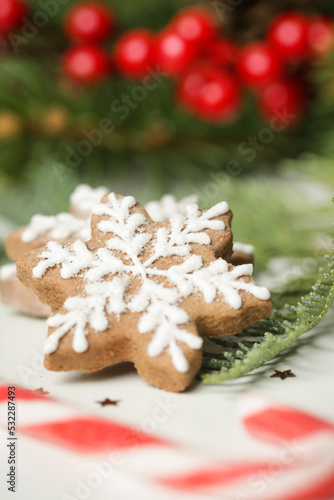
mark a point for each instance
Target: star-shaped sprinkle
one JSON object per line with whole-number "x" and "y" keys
{"x": 40, "y": 390}
{"x": 108, "y": 402}
{"x": 282, "y": 374}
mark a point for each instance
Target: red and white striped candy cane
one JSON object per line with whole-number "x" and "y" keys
{"x": 275, "y": 423}
{"x": 281, "y": 424}
{"x": 165, "y": 464}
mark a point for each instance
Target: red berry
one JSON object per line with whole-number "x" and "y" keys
{"x": 189, "y": 86}
{"x": 11, "y": 13}
{"x": 89, "y": 22}
{"x": 210, "y": 93}
{"x": 218, "y": 97}
{"x": 220, "y": 52}
{"x": 288, "y": 35}
{"x": 320, "y": 36}
{"x": 195, "y": 25}
{"x": 172, "y": 53}
{"x": 133, "y": 53}
{"x": 258, "y": 65}
{"x": 86, "y": 64}
{"x": 283, "y": 100}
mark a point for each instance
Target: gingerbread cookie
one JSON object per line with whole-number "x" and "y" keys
{"x": 168, "y": 206}
{"x": 242, "y": 254}
{"x": 163, "y": 209}
{"x": 143, "y": 291}
{"x": 15, "y": 294}
{"x": 83, "y": 199}
{"x": 44, "y": 228}
{"x": 76, "y": 225}
{"x": 36, "y": 234}
{"x": 41, "y": 229}
{"x": 65, "y": 227}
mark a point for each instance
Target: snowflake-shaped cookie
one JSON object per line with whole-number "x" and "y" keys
{"x": 143, "y": 291}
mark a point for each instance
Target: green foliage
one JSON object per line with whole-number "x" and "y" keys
{"x": 155, "y": 131}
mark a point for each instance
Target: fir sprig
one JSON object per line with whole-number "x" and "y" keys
{"x": 266, "y": 339}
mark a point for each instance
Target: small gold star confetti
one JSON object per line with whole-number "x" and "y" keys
{"x": 40, "y": 391}
{"x": 107, "y": 402}
{"x": 283, "y": 374}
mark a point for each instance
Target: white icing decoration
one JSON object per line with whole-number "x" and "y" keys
{"x": 73, "y": 258}
{"x": 160, "y": 302}
{"x": 243, "y": 248}
{"x": 84, "y": 197}
{"x": 7, "y": 271}
{"x": 58, "y": 227}
{"x": 89, "y": 310}
{"x": 168, "y": 206}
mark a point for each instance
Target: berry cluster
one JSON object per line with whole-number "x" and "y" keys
{"x": 210, "y": 71}
{"x": 273, "y": 69}
{"x": 87, "y": 25}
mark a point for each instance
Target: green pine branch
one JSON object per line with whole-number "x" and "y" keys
{"x": 268, "y": 338}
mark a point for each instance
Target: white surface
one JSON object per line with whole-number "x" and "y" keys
{"x": 204, "y": 417}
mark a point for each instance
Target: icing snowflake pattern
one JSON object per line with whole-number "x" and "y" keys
{"x": 59, "y": 227}
{"x": 161, "y": 291}
{"x": 84, "y": 197}
{"x": 168, "y": 206}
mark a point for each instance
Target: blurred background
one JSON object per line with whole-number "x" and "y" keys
{"x": 226, "y": 99}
